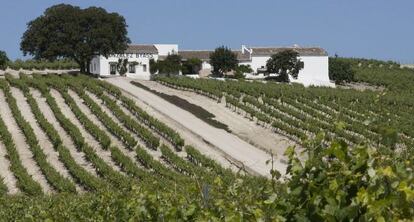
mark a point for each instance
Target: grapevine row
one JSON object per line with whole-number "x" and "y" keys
{"x": 54, "y": 178}
{"x": 314, "y": 109}
{"x": 79, "y": 174}
{"x": 147, "y": 160}
{"x": 150, "y": 140}
{"x": 102, "y": 169}
{"x": 119, "y": 158}
{"x": 156, "y": 125}
{"x": 24, "y": 181}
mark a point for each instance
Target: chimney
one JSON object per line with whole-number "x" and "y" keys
{"x": 244, "y": 48}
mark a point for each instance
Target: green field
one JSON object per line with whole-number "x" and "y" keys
{"x": 368, "y": 117}
{"x": 358, "y": 145}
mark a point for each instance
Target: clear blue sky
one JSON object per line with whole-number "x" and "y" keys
{"x": 382, "y": 29}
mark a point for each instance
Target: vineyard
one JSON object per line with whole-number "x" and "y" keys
{"x": 78, "y": 148}
{"x": 42, "y": 65}
{"x": 357, "y": 118}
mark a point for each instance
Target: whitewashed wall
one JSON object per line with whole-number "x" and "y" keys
{"x": 257, "y": 62}
{"x": 140, "y": 73}
{"x": 95, "y": 65}
{"x": 206, "y": 65}
{"x": 206, "y": 69}
{"x": 166, "y": 49}
{"x": 315, "y": 71}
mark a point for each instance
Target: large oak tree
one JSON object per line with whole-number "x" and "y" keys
{"x": 66, "y": 31}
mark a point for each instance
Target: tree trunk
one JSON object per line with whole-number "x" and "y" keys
{"x": 285, "y": 77}
{"x": 79, "y": 63}
{"x": 82, "y": 67}
{"x": 88, "y": 68}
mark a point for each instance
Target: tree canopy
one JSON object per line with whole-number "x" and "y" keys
{"x": 121, "y": 66}
{"x": 170, "y": 66}
{"x": 223, "y": 60}
{"x": 285, "y": 63}
{"x": 66, "y": 31}
{"x": 192, "y": 66}
{"x": 340, "y": 70}
{"x": 3, "y": 60}
{"x": 153, "y": 66}
{"x": 241, "y": 70}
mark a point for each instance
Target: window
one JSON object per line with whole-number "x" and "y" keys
{"x": 131, "y": 68}
{"x": 144, "y": 68}
{"x": 112, "y": 68}
{"x": 94, "y": 67}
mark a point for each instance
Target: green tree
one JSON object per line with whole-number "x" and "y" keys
{"x": 171, "y": 65}
{"x": 3, "y": 60}
{"x": 153, "y": 66}
{"x": 285, "y": 63}
{"x": 223, "y": 60}
{"x": 66, "y": 31}
{"x": 340, "y": 70}
{"x": 121, "y": 66}
{"x": 240, "y": 70}
{"x": 192, "y": 66}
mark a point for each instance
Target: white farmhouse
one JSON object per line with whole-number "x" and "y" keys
{"x": 315, "y": 70}
{"x": 315, "y": 59}
{"x": 138, "y": 56}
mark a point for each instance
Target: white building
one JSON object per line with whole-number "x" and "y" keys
{"x": 315, "y": 71}
{"x": 138, "y": 57}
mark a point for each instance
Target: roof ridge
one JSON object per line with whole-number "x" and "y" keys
{"x": 284, "y": 47}
{"x": 195, "y": 50}
{"x": 143, "y": 44}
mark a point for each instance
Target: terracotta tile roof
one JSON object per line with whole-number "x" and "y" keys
{"x": 151, "y": 49}
{"x": 268, "y": 51}
{"x": 241, "y": 56}
{"x": 204, "y": 55}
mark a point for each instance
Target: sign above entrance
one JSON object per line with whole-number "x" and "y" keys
{"x": 133, "y": 55}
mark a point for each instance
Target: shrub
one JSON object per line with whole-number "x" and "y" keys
{"x": 340, "y": 71}
{"x": 153, "y": 66}
{"x": 223, "y": 60}
{"x": 3, "y": 60}
{"x": 31, "y": 64}
{"x": 192, "y": 66}
{"x": 240, "y": 70}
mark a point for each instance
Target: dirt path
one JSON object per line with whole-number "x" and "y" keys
{"x": 245, "y": 129}
{"x": 23, "y": 149}
{"x": 225, "y": 143}
{"x": 67, "y": 142}
{"x": 89, "y": 139}
{"x": 114, "y": 141}
{"x": 51, "y": 155}
{"x": 188, "y": 136}
{"x": 8, "y": 178}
